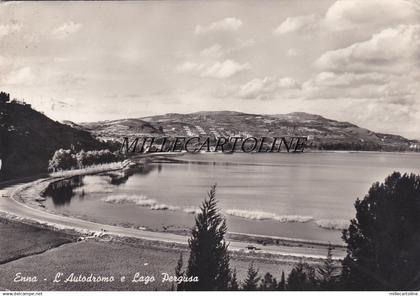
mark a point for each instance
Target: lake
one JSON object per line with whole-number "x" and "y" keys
{"x": 307, "y": 195}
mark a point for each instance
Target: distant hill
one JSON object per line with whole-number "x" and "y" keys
{"x": 323, "y": 133}
{"x": 28, "y": 140}
{"x": 114, "y": 129}
{"x": 72, "y": 124}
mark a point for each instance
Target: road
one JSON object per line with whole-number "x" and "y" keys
{"x": 10, "y": 205}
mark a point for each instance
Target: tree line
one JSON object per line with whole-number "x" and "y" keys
{"x": 67, "y": 159}
{"x": 383, "y": 243}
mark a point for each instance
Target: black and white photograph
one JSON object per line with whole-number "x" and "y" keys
{"x": 227, "y": 145}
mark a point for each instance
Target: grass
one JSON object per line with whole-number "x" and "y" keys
{"x": 35, "y": 251}
{"x": 106, "y": 259}
{"x": 20, "y": 240}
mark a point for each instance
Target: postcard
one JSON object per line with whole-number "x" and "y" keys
{"x": 210, "y": 146}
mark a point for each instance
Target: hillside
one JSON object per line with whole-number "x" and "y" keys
{"x": 114, "y": 129}
{"x": 28, "y": 140}
{"x": 322, "y": 133}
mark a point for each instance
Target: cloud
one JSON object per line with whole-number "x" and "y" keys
{"x": 291, "y": 52}
{"x": 228, "y": 24}
{"x": 240, "y": 43}
{"x": 189, "y": 67}
{"x": 330, "y": 85}
{"x": 343, "y": 15}
{"x": 65, "y": 78}
{"x": 389, "y": 50}
{"x": 22, "y": 76}
{"x": 396, "y": 119}
{"x": 218, "y": 70}
{"x": 224, "y": 69}
{"x": 38, "y": 76}
{"x": 264, "y": 88}
{"x": 212, "y": 51}
{"x": 66, "y": 29}
{"x": 331, "y": 79}
{"x": 298, "y": 24}
{"x": 3, "y": 61}
{"x": 10, "y": 3}
{"x": 9, "y": 29}
{"x": 217, "y": 51}
{"x": 347, "y": 15}
{"x": 386, "y": 88}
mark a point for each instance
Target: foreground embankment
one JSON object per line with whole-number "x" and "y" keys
{"x": 33, "y": 255}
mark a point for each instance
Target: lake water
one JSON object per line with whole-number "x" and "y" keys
{"x": 308, "y": 195}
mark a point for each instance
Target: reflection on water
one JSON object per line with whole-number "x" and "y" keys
{"x": 63, "y": 191}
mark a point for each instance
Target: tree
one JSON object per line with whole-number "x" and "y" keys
{"x": 4, "y": 97}
{"x": 81, "y": 158}
{"x": 209, "y": 258}
{"x": 62, "y": 160}
{"x": 327, "y": 272}
{"x": 252, "y": 279}
{"x": 282, "y": 284}
{"x": 301, "y": 278}
{"x": 383, "y": 240}
{"x": 179, "y": 272}
{"x": 268, "y": 283}
{"x": 233, "y": 282}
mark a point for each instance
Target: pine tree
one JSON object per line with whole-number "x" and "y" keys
{"x": 302, "y": 278}
{"x": 233, "y": 282}
{"x": 383, "y": 240}
{"x": 179, "y": 272}
{"x": 327, "y": 272}
{"x": 282, "y": 284}
{"x": 252, "y": 279}
{"x": 209, "y": 258}
{"x": 268, "y": 283}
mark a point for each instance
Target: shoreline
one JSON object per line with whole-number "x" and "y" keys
{"x": 292, "y": 248}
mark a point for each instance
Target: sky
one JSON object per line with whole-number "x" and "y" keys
{"x": 349, "y": 60}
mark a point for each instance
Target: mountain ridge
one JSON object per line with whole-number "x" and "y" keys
{"x": 324, "y": 133}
